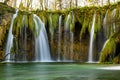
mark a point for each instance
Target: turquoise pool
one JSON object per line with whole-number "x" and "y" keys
{"x": 56, "y": 71}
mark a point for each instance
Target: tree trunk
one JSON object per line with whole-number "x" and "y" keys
{"x": 41, "y": 3}
{"x": 102, "y": 2}
{"x": 108, "y": 2}
{"x": 6, "y": 1}
{"x": 60, "y": 4}
{"x": 70, "y": 4}
{"x": 46, "y": 4}
{"x": 76, "y": 1}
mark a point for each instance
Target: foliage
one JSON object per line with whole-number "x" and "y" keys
{"x": 4, "y": 9}
{"x": 117, "y": 59}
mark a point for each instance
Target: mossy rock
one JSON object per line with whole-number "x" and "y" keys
{"x": 23, "y": 20}
{"x": 117, "y": 59}
{"x": 17, "y": 25}
{"x": 108, "y": 51}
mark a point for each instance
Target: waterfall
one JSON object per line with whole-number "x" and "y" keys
{"x": 10, "y": 40}
{"x": 71, "y": 38}
{"x": 59, "y": 37}
{"x": 90, "y": 56}
{"x": 42, "y": 51}
{"x": 113, "y": 14}
{"x": 105, "y": 44}
{"x": 51, "y": 29}
{"x": 66, "y": 25}
{"x": 71, "y": 46}
{"x": 105, "y": 24}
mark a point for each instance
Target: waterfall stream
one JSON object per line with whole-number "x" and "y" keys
{"x": 66, "y": 30}
{"x": 10, "y": 40}
{"x": 59, "y": 37}
{"x": 114, "y": 15}
{"x": 90, "y": 55}
{"x": 31, "y": 44}
{"x": 42, "y": 51}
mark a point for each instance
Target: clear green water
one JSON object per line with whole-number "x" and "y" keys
{"x": 56, "y": 71}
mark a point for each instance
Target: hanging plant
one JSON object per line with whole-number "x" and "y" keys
{"x": 98, "y": 25}
{"x": 17, "y": 25}
{"x": 31, "y": 24}
{"x": 85, "y": 26}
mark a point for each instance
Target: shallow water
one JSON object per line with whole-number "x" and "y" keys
{"x": 56, "y": 71}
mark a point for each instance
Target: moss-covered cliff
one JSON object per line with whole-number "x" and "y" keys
{"x": 6, "y": 13}
{"x": 77, "y": 26}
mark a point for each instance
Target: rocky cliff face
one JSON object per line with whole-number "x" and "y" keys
{"x": 6, "y": 13}
{"x": 71, "y": 41}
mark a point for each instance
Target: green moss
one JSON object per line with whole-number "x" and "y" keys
{"x": 98, "y": 23}
{"x": 85, "y": 26}
{"x": 17, "y": 25}
{"x": 23, "y": 20}
{"x": 25, "y": 17}
{"x": 51, "y": 28}
{"x": 31, "y": 24}
{"x": 68, "y": 21}
{"x": 109, "y": 49}
{"x": 4, "y": 8}
{"x": 55, "y": 19}
{"x": 117, "y": 59}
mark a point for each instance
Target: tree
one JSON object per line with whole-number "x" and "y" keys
{"x": 60, "y": 4}
{"x": 14, "y": 3}
{"x": 41, "y": 4}
{"x": 6, "y": 1}
{"x": 46, "y": 4}
{"x": 108, "y": 2}
{"x": 70, "y": 3}
{"x": 76, "y": 3}
{"x": 29, "y": 4}
{"x": 102, "y": 2}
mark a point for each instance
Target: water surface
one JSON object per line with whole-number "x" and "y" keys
{"x": 56, "y": 71}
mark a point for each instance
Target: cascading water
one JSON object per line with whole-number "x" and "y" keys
{"x": 10, "y": 40}
{"x": 59, "y": 38}
{"x": 51, "y": 29}
{"x": 113, "y": 15}
{"x": 71, "y": 38}
{"x": 71, "y": 46}
{"x": 105, "y": 44}
{"x": 90, "y": 55}
{"x": 66, "y": 25}
{"x": 42, "y": 51}
{"x": 105, "y": 23}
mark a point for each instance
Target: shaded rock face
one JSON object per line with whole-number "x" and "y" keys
{"x": 71, "y": 46}
{"x": 24, "y": 46}
{"x": 80, "y": 46}
{"x": 5, "y": 21}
